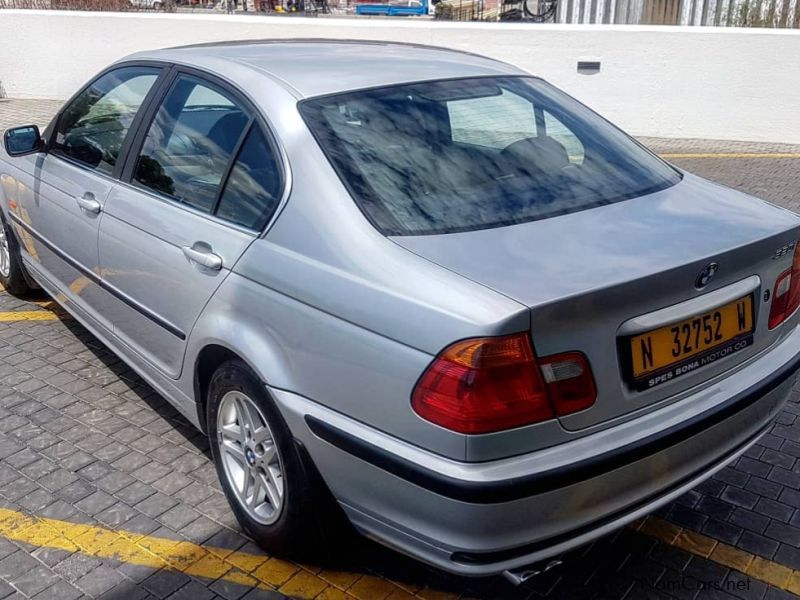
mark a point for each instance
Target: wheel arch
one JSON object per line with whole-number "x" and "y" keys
{"x": 207, "y": 362}
{"x": 231, "y": 328}
{"x": 212, "y": 354}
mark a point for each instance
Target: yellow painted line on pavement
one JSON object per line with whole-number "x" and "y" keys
{"x": 701, "y": 545}
{"x": 730, "y": 155}
{"x": 256, "y": 570}
{"x": 207, "y": 562}
{"x": 28, "y": 315}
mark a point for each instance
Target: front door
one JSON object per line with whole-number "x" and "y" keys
{"x": 58, "y": 223}
{"x": 193, "y": 197}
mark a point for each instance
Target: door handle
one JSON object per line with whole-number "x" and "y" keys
{"x": 89, "y": 203}
{"x": 207, "y": 259}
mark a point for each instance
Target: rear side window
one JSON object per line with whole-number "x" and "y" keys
{"x": 190, "y": 143}
{"x": 467, "y": 154}
{"x": 94, "y": 125}
{"x": 253, "y": 188}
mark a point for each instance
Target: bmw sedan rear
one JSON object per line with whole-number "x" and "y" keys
{"x": 658, "y": 337}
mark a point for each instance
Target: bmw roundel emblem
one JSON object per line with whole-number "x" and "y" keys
{"x": 706, "y": 275}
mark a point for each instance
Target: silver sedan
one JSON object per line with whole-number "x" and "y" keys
{"x": 406, "y": 290}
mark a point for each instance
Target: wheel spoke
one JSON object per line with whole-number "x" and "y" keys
{"x": 241, "y": 430}
{"x": 273, "y": 495}
{"x": 243, "y": 493}
{"x": 235, "y": 466}
{"x": 262, "y": 436}
{"x": 270, "y": 455}
{"x": 276, "y": 477}
{"x": 235, "y": 452}
{"x": 248, "y": 485}
{"x": 243, "y": 413}
{"x": 255, "y": 492}
{"x": 233, "y": 434}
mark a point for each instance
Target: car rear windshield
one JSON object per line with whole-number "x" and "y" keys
{"x": 466, "y": 154}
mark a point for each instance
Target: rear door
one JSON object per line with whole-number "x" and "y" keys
{"x": 199, "y": 186}
{"x": 58, "y": 224}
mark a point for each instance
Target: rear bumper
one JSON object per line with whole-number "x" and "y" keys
{"x": 484, "y": 518}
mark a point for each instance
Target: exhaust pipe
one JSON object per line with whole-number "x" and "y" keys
{"x": 520, "y": 576}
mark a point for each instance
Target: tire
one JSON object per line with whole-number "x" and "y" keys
{"x": 12, "y": 273}
{"x": 309, "y": 524}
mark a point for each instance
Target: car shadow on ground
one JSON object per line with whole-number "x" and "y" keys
{"x": 359, "y": 555}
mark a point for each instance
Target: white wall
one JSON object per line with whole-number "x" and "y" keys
{"x": 714, "y": 83}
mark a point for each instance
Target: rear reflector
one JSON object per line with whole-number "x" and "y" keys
{"x": 482, "y": 385}
{"x": 786, "y": 293}
{"x": 569, "y": 381}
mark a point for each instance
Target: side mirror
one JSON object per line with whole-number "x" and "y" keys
{"x": 22, "y": 140}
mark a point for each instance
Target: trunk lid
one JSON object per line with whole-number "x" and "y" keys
{"x": 587, "y": 276}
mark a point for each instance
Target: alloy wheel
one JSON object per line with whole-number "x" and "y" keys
{"x": 250, "y": 457}
{"x": 5, "y": 254}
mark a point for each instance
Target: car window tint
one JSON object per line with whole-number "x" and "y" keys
{"x": 493, "y": 122}
{"x": 564, "y": 136}
{"x": 190, "y": 143}
{"x": 252, "y": 191}
{"x": 466, "y": 154}
{"x": 94, "y": 125}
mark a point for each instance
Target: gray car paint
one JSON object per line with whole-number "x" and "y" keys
{"x": 340, "y": 321}
{"x": 586, "y": 273}
{"x": 142, "y": 256}
{"x": 50, "y": 205}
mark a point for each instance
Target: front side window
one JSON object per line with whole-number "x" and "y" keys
{"x": 467, "y": 154}
{"x": 190, "y": 142}
{"x": 93, "y": 126}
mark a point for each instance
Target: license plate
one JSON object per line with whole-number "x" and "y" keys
{"x": 674, "y": 350}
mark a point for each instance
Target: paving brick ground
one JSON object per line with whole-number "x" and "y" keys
{"x": 84, "y": 440}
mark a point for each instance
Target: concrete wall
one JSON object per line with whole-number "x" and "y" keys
{"x": 675, "y": 82}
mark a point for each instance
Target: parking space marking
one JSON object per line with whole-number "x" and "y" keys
{"x": 28, "y": 315}
{"x": 730, "y": 155}
{"x": 206, "y": 562}
{"x": 754, "y": 566}
{"x": 254, "y": 570}
{"x": 148, "y": 551}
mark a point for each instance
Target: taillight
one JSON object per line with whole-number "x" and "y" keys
{"x": 786, "y": 294}
{"x": 482, "y": 385}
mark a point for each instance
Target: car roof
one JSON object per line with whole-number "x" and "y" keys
{"x": 312, "y": 67}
